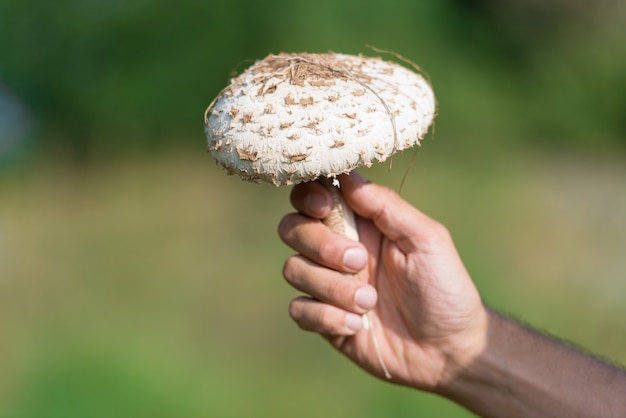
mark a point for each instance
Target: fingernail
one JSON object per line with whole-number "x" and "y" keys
{"x": 315, "y": 202}
{"x": 354, "y": 322}
{"x": 355, "y": 258}
{"x": 365, "y": 298}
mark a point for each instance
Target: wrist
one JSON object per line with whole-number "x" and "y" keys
{"x": 520, "y": 373}
{"x": 463, "y": 352}
{"x": 480, "y": 381}
{"x": 472, "y": 378}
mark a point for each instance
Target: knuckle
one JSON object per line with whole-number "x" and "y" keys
{"x": 434, "y": 234}
{"x": 329, "y": 321}
{"x": 285, "y": 226}
{"x": 288, "y": 268}
{"x": 440, "y": 231}
{"x": 438, "y": 228}
{"x": 334, "y": 291}
{"x": 330, "y": 250}
{"x": 311, "y": 315}
{"x": 324, "y": 318}
{"x": 292, "y": 271}
{"x": 297, "y": 312}
{"x": 387, "y": 194}
{"x": 295, "y": 309}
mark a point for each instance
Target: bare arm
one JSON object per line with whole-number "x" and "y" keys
{"x": 434, "y": 331}
{"x": 522, "y": 373}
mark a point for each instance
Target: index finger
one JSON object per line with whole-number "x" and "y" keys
{"x": 315, "y": 241}
{"x": 311, "y": 199}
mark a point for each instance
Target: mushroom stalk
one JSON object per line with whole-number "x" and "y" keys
{"x": 342, "y": 220}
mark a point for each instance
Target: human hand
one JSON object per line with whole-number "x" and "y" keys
{"x": 428, "y": 316}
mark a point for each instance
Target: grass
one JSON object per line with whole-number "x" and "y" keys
{"x": 151, "y": 286}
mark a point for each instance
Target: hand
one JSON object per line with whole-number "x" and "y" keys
{"x": 427, "y": 314}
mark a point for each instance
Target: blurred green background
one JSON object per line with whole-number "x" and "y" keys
{"x": 137, "y": 280}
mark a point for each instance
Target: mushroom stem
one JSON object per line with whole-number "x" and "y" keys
{"x": 341, "y": 220}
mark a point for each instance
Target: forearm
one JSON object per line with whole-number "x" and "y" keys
{"x": 522, "y": 373}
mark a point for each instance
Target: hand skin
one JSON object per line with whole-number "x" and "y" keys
{"x": 434, "y": 332}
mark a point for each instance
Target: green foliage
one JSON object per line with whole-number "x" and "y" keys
{"x": 149, "y": 284}
{"x": 100, "y": 76}
{"x": 152, "y": 287}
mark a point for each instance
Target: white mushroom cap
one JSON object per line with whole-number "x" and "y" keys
{"x": 295, "y": 117}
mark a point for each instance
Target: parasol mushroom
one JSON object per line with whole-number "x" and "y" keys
{"x": 291, "y": 118}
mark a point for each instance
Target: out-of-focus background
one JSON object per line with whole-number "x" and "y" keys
{"x": 137, "y": 280}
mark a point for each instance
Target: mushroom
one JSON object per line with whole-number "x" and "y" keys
{"x": 291, "y": 118}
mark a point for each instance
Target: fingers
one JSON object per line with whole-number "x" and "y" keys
{"x": 337, "y": 301}
{"x": 310, "y": 238}
{"x": 311, "y": 199}
{"x": 312, "y": 315}
{"x": 396, "y": 218}
{"x": 329, "y": 286}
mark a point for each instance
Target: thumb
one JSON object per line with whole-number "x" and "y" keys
{"x": 396, "y": 218}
